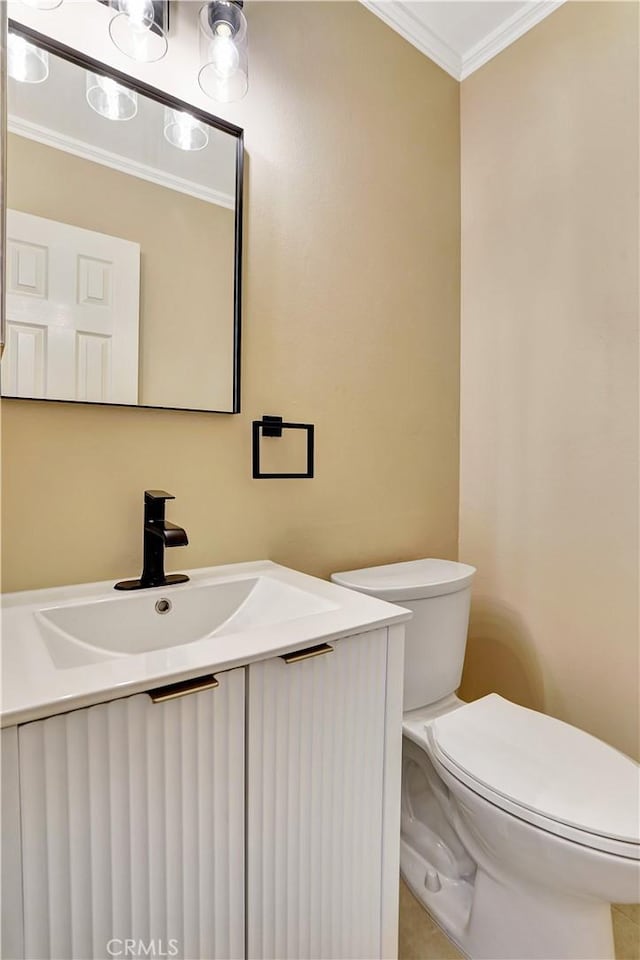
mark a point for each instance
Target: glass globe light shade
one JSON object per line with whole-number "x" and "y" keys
{"x": 224, "y": 74}
{"x": 135, "y": 32}
{"x": 111, "y": 99}
{"x": 184, "y": 131}
{"x": 26, "y": 62}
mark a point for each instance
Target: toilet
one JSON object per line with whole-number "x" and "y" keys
{"x": 517, "y": 830}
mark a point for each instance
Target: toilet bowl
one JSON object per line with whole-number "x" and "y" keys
{"x": 517, "y": 830}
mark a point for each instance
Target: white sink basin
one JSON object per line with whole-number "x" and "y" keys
{"x": 69, "y": 647}
{"x": 82, "y": 633}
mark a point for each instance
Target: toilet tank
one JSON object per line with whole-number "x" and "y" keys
{"x": 439, "y": 594}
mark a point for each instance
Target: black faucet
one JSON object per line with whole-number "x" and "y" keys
{"x": 158, "y": 534}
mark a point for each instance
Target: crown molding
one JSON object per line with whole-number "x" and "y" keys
{"x": 398, "y": 15}
{"x": 87, "y": 151}
{"x": 504, "y": 35}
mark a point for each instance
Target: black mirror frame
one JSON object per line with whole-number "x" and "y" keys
{"x": 96, "y": 66}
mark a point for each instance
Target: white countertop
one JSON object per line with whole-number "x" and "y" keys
{"x": 33, "y": 687}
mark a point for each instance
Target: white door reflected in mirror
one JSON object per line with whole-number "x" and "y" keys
{"x": 73, "y": 302}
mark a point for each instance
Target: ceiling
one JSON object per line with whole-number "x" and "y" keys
{"x": 461, "y": 35}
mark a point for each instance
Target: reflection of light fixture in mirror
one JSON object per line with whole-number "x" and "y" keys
{"x": 110, "y": 99}
{"x": 26, "y": 62}
{"x": 184, "y": 131}
{"x": 138, "y": 29}
{"x": 223, "y": 50}
{"x": 43, "y": 4}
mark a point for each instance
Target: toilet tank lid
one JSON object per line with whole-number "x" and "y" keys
{"x": 411, "y": 580}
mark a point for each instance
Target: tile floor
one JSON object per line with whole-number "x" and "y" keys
{"x": 421, "y": 939}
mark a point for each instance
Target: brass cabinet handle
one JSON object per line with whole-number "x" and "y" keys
{"x": 174, "y": 690}
{"x": 307, "y": 653}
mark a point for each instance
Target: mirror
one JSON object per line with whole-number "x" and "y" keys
{"x": 123, "y": 226}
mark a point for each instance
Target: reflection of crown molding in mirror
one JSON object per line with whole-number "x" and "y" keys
{"x": 79, "y": 148}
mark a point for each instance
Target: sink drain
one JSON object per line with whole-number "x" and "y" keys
{"x": 163, "y": 606}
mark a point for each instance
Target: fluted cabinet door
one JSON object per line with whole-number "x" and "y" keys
{"x": 133, "y": 827}
{"x": 316, "y": 740}
{"x": 11, "y": 943}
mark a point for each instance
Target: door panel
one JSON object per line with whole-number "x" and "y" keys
{"x": 316, "y": 733}
{"x": 73, "y": 299}
{"x": 133, "y": 826}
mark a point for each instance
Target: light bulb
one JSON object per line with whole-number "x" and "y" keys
{"x": 111, "y": 99}
{"x": 26, "y": 62}
{"x": 111, "y": 92}
{"x": 183, "y": 130}
{"x": 139, "y": 12}
{"x": 18, "y": 50}
{"x": 224, "y": 56}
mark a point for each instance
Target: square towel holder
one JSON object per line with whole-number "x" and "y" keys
{"x": 273, "y": 427}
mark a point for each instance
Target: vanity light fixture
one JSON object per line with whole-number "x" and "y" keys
{"x": 184, "y": 131}
{"x": 26, "y": 62}
{"x": 223, "y": 50}
{"x": 110, "y": 99}
{"x": 139, "y": 28}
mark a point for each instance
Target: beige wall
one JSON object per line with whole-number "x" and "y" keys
{"x": 186, "y": 265}
{"x": 549, "y": 465}
{"x": 351, "y": 322}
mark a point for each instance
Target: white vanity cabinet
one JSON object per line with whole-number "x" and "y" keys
{"x": 316, "y": 742}
{"x": 132, "y": 823}
{"x": 259, "y": 819}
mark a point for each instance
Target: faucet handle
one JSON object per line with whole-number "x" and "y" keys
{"x": 151, "y": 496}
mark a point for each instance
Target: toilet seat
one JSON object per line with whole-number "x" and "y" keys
{"x": 518, "y": 760}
